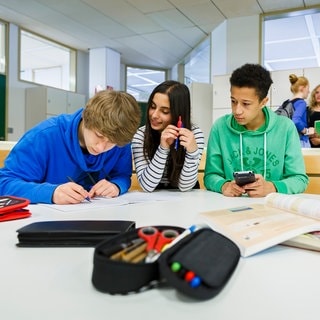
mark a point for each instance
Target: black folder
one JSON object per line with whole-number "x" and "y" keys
{"x": 71, "y": 233}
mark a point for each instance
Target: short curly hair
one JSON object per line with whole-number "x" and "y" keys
{"x": 114, "y": 114}
{"x": 252, "y": 76}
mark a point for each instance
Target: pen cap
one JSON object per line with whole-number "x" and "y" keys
{"x": 200, "y": 264}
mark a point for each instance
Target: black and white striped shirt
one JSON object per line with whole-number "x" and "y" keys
{"x": 151, "y": 173}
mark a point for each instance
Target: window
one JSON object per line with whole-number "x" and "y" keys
{"x": 141, "y": 82}
{"x": 197, "y": 64}
{"x": 46, "y": 62}
{"x": 2, "y": 47}
{"x": 291, "y": 40}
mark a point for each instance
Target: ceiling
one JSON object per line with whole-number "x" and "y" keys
{"x": 153, "y": 33}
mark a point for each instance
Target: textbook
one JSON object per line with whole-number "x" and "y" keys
{"x": 289, "y": 219}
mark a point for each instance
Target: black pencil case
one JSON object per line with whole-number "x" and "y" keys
{"x": 72, "y": 233}
{"x": 209, "y": 255}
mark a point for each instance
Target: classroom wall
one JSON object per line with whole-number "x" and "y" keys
{"x": 234, "y": 42}
{"x": 16, "y": 88}
{"x": 243, "y": 41}
{"x": 229, "y": 49}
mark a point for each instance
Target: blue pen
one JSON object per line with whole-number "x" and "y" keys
{"x": 71, "y": 180}
{"x": 179, "y": 125}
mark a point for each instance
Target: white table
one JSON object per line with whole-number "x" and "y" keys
{"x": 55, "y": 283}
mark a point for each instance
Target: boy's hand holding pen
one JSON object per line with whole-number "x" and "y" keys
{"x": 80, "y": 190}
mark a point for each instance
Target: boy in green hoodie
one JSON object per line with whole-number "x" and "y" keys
{"x": 254, "y": 138}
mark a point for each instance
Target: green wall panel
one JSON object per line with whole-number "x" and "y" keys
{"x": 2, "y": 107}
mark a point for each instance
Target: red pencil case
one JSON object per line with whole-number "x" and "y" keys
{"x": 12, "y": 208}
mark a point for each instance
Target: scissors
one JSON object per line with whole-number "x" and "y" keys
{"x": 156, "y": 239}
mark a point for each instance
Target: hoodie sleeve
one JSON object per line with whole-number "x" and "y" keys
{"x": 294, "y": 179}
{"x": 23, "y": 173}
{"x": 214, "y": 175}
{"x": 299, "y": 117}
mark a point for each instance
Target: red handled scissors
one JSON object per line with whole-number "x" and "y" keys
{"x": 156, "y": 239}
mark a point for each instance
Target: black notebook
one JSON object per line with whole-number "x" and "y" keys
{"x": 70, "y": 233}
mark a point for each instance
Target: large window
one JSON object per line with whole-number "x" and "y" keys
{"x": 141, "y": 81}
{"x": 197, "y": 64}
{"x": 291, "y": 40}
{"x": 46, "y": 62}
{"x": 2, "y": 47}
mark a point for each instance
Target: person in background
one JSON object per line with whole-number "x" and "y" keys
{"x": 72, "y": 157}
{"x": 300, "y": 89}
{"x": 168, "y": 149}
{"x": 254, "y": 138}
{"x": 314, "y": 115}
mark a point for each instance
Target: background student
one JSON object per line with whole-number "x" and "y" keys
{"x": 300, "y": 89}
{"x": 253, "y": 137}
{"x": 166, "y": 152}
{"x": 314, "y": 114}
{"x": 90, "y": 147}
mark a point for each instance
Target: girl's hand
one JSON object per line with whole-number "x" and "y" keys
{"x": 168, "y": 136}
{"x": 187, "y": 139}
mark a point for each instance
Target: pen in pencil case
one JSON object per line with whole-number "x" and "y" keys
{"x": 179, "y": 125}
{"x": 71, "y": 180}
{"x": 186, "y": 232}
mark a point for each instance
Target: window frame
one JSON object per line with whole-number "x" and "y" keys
{"x": 285, "y": 14}
{"x": 70, "y": 82}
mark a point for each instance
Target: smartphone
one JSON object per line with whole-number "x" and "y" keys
{"x": 244, "y": 177}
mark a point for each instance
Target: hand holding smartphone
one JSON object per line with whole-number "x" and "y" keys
{"x": 244, "y": 177}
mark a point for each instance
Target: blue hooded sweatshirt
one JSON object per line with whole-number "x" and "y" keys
{"x": 48, "y": 154}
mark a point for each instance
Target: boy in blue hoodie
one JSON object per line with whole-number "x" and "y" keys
{"x": 254, "y": 138}
{"x": 69, "y": 158}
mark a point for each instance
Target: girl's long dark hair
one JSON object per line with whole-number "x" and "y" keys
{"x": 179, "y": 99}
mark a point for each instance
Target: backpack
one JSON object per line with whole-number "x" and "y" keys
{"x": 286, "y": 109}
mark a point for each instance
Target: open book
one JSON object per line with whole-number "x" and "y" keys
{"x": 281, "y": 219}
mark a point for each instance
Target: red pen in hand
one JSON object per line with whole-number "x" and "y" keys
{"x": 179, "y": 125}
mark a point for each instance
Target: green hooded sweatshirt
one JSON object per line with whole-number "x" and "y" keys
{"x": 273, "y": 151}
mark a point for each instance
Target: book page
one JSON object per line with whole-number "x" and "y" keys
{"x": 308, "y": 205}
{"x": 257, "y": 227}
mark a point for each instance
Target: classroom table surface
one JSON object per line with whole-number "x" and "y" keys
{"x": 55, "y": 283}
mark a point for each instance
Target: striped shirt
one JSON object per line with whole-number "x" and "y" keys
{"x": 151, "y": 173}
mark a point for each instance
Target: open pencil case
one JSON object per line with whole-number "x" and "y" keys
{"x": 210, "y": 258}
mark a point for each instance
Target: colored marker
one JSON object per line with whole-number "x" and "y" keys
{"x": 195, "y": 282}
{"x": 175, "y": 266}
{"x": 188, "y": 275}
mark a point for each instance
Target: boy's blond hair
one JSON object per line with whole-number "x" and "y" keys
{"x": 114, "y": 114}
